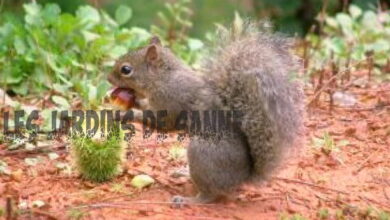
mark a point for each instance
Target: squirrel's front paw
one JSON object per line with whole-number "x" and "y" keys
{"x": 178, "y": 202}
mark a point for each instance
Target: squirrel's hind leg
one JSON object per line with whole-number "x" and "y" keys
{"x": 217, "y": 166}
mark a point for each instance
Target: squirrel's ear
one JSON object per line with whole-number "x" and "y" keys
{"x": 155, "y": 40}
{"x": 151, "y": 53}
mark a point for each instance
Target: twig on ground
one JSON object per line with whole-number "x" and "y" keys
{"x": 287, "y": 200}
{"x": 328, "y": 83}
{"x": 368, "y": 200}
{"x": 266, "y": 198}
{"x": 8, "y": 210}
{"x": 322, "y": 198}
{"x": 363, "y": 164}
{"x": 43, "y": 213}
{"x": 127, "y": 203}
{"x": 34, "y": 151}
{"x": 310, "y": 184}
{"x": 385, "y": 193}
{"x": 116, "y": 197}
{"x": 127, "y": 206}
{"x": 355, "y": 109}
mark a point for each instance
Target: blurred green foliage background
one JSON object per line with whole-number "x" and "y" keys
{"x": 289, "y": 16}
{"x": 65, "y": 49}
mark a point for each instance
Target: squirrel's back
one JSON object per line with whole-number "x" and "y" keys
{"x": 250, "y": 71}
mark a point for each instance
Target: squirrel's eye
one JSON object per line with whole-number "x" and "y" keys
{"x": 126, "y": 70}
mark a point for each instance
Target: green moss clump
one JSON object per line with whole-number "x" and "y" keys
{"x": 98, "y": 160}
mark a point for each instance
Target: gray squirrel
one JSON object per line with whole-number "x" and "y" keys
{"x": 247, "y": 70}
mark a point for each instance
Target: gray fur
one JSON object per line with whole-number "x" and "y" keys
{"x": 248, "y": 71}
{"x": 251, "y": 70}
{"x": 217, "y": 166}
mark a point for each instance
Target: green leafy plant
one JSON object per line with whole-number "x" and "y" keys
{"x": 118, "y": 188}
{"x": 76, "y": 214}
{"x": 177, "y": 152}
{"x": 293, "y": 217}
{"x": 65, "y": 53}
{"x": 323, "y": 213}
{"x": 175, "y": 23}
{"x": 327, "y": 144}
{"x": 98, "y": 159}
{"x": 71, "y": 54}
{"x": 339, "y": 215}
{"x": 384, "y": 215}
{"x": 374, "y": 213}
{"x": 356, "y": 37}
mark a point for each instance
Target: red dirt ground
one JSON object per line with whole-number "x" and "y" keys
{"x": 348, "y": 180}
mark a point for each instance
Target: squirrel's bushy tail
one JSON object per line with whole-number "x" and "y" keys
{"x": 250, "y": 69}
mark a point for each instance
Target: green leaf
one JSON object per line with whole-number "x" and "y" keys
{"x": 60, "y": 88}
{"x": 370, "y": 20}
{"x": 32, "y": 9}
{"x": 102, "y": 89}
{"x": 19, "y": 45}
{"x": 20, "y": 89}
{"x": 358, "y": 52}
{"x": 32, "y": 16}
{"x": 88, "y": 14}
{"x": 238, "y": 25}
{"x": 117, "y": 51}
{"x": 66, "y": 24}
{"x": 92, "y": 92}
{"x": 355, "y": 11}
{"x": 108, "y": 20}
{"x": 323, "y": 213}
{"x": 195, "y": 44}
{"x": 62, "y": 102}
{"x": 317, "y": 142}
{"x": 337, "y": 45}
{"x": 298, "y": 217}
{"x": 51, "y": 12}
{"x": 177, "y": 152}
{"x": 381, "y": 45}
{"x": 13, "y": 74}
{"x": 7, "y": 29}
{"x": 331, "y": 22}
{"x": 51, "y": 60}
{"x": 344, "y": 20}
{"x": 384, "y": 215}
{"x": 163, "y": 18}
{"x": 123, "y": 14}
{"x": 90, "y": 36}
{"x": 141, "y": 35}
